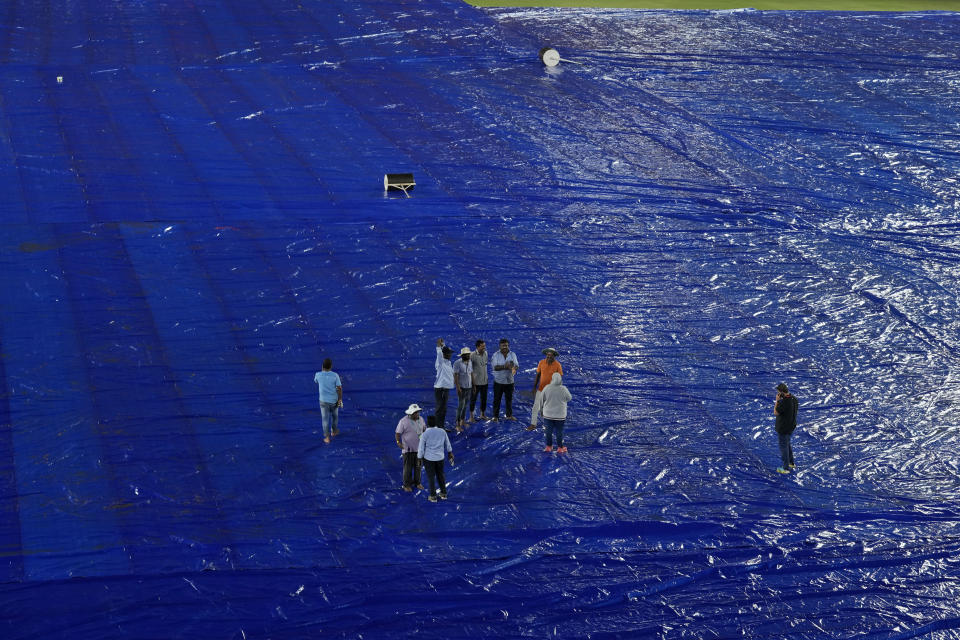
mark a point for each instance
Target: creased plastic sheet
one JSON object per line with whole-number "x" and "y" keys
{"x": 695, "y": 207}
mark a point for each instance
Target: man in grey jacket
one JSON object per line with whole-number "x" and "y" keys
{"x": 553, "y": 406}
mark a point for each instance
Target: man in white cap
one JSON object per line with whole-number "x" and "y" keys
{"x": 545, "y": 370}
{"x": 463, "y": 377}
{"x": 408, "y": 439}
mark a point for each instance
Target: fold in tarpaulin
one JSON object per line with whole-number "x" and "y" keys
{"x": 699, "y": 206}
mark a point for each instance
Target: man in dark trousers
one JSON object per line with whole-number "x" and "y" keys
{"x": 785, "y": 408}
{"x": 444, "y": 381}
{"x": 505, "y": 366}
{"x": 433, "y": 444}
{"x": 479, "y": 361}
{"x": 407, "y": 435}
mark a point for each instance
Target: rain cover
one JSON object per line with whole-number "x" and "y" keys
{"x": 691, "y": 208}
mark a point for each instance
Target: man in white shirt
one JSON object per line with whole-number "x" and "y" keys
{"x": 443, "y": 382}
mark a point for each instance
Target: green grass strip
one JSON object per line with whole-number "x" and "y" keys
{"x": 785, "y": 5}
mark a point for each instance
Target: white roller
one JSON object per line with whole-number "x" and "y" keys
{"x": 551, "y": 57}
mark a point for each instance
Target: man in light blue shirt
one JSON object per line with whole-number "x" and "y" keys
{"x": 505, "y": 366}
{"x": 331, "y": 399}
{"x": 433, "y": 444}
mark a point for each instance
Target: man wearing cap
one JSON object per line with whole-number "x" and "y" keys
{"x": 463, "y": 378}
{"x": 785, "y": 408}
{"x": 433, "y": 444}
{"x": 545, "y": 370}
{"x": 408, "y": 439}
{"x": 443, "y": 382}
{"x": 505, "y": 366}
{"x": 479, "y": 361}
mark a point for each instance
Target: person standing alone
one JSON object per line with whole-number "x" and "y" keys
{"x": 331, "y": 399}
{"x": 785, "y": 408}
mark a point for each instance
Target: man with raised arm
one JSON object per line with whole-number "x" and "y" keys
{"x": 443, "y": 382}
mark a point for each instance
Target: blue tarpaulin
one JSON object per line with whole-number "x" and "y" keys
{"x": 692, "y": 208}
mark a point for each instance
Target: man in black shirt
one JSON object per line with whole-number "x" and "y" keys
{"x": 785, "y": 409}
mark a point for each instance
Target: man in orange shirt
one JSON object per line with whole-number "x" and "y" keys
{"x": 545, "y": 370}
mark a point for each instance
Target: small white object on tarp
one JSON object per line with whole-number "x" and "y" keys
{"x": 550, "y": 57}
{"x": 399, "y": 181}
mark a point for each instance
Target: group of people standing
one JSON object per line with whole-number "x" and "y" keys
{"x": 425, "y": 443}
{"x": 469, "y": 376}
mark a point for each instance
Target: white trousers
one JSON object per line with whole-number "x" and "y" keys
{"x": 535, "y": 413}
